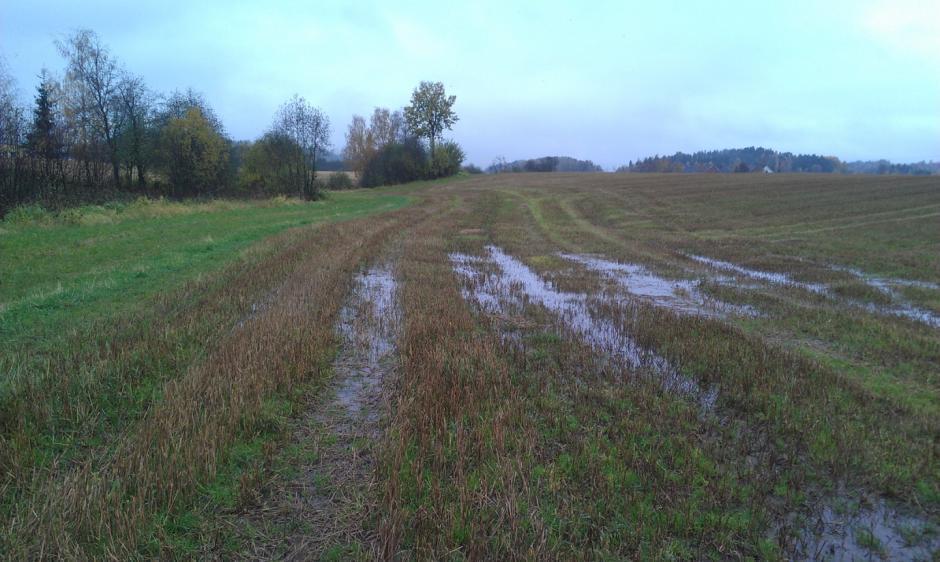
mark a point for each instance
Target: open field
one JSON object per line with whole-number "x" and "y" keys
{"x": 540, "y": 366}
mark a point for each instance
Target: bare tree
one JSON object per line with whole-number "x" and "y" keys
{"x": 386, "y": 126}
{"x": 12, "y": 115}
{"x": 95, "y": 80}
{"x": 309, "y": 128}
{"x": 431, "y": 112}
{"x": 137, "y": 108}
{"x": 360, "y": 145}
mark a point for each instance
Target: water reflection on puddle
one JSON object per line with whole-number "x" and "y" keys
{"x": 899, "y": 307}
{"x": 844, "y": 530}
{"x": 368, "y": 324}
{"x": 680, "y": 295}
{"x": 769, "y": 276}
{"x": 499, "y": 282}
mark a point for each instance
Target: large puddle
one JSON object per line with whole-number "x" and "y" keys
{"x": 368, "y": 325}
{"x": 888, "y": 286}
{"x": 679, "y": 295}
{"x": 846, "y": 530}
{"x": 499, "y": 283}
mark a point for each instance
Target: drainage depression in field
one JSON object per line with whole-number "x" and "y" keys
{"x": 680, "y": 295}
{"x": 499, "y": 282}
{"x": 369, "y": 327}
{"x": 898, "y": 307}
{"x": 847, "y": 530}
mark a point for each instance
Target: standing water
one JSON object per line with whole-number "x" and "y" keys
{"x": 499, "y": 281}
{"x": 679, "y": 295}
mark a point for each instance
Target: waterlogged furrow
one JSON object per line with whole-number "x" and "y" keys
{"x": 500, "y": 282}
{"x": 333, "y": 443}
{"x": 680, "y": 295}
{"x": 884, "y": 285}
{"x": 887, "y": 286}
{"x": 769, "y": 276}
{"x": 369, "y": 326}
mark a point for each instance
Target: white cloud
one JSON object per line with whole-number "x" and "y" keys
{"x": 909, "y": 26}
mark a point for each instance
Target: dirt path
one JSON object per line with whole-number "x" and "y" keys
{"x": 320, "y": 510}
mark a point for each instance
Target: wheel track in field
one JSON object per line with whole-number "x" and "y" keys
{"x": 323, "y": 507}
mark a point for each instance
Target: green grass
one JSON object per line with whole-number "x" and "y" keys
{"x": 57, "y": 275}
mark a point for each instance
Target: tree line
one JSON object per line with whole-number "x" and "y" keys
{"x": 97, "y": 131}
{"x": 756, "y": 159}
{"x": 750, "y": 159}
{"x": 543, "y": 164}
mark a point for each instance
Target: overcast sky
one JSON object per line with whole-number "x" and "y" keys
{"x": 609, "y": 81}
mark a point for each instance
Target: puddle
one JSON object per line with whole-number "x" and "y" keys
{"x": 885, "y": 285}
{"x": 499, "y": 283}
{"x": 368, "y": 325}
{"x": 334, "y": 444}
{"x": 901, "y": 307}
{"x": 769, "y": 276}
{"x": 845, "y": 530}
{"x": 680, "y": 295}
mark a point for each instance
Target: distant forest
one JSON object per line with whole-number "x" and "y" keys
{"x": 544, "y": 164}
{"x": 757, "y": 159}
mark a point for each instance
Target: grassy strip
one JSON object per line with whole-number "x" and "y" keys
{"x": 60, "y": 425}
{"x": 102, "y": 507}
{"x": 65, "y": 277}
{"x": 59, "y": 402}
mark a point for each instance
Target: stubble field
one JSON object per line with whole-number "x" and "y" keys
{"x": 513, "y": 366}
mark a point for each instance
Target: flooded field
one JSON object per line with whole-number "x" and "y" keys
{"x": 512, "y": 366}
{"x": 770, "y": 277}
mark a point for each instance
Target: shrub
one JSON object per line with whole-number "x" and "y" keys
{"x": 28, "y": 214}
{"x": 447, "y": 160}
{"x": 396, "y": 162}
{"x": 339, "y": 180}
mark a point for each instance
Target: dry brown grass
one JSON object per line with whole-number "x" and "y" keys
{"x": 106, "y": 501}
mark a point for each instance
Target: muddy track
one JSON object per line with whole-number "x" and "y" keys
{"x": 321, "y": 510}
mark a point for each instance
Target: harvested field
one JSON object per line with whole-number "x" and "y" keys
{"x": 536, "y": 366}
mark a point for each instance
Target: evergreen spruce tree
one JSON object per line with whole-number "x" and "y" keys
{"x": 42, "y": 140}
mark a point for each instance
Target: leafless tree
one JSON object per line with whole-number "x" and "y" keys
{"x": 94, "y": 82}
{"x": 386, "y": 126}
{"x": 360, "y": 144}
{"x": 309, "y": 128}
{"x": 137, "y": 109}
{"x": 12, "y": 115}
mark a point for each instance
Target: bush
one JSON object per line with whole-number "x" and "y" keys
{"x": 447, "y": 160}
{"x": 28, "y": 214}
{"x": 339, "y": 180}
{"x": 472, "y": 169}
{"x": 396, "y": 163}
